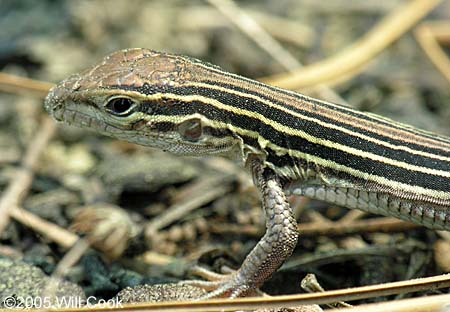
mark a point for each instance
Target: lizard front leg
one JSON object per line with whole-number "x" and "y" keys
{"x": 271, "y": 251}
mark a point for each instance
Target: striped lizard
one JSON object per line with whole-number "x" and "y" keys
{"x": 291, "y": 143}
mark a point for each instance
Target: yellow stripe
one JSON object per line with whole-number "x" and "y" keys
{"x": 319, "y": 122}
{"x": 440, "y": 195}
{"x": 348, "y": 109}
{"x": 295, "y": 132}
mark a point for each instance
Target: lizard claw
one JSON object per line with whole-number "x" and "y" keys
{"x": 230, "y": 285}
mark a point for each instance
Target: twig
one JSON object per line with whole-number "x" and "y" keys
{"x": 357, "y": 226}
{"x": 18, "y": 85}
{"x": 284, "y": 29}
{"x": 252, "y": 29}
{"x": 349, "y": 294}
{"x": 67, "y": 262}
{"x": 354, "y": 59}
{"x": 263, "y": 39}
{"x": 384, "y": 224}
{"x": 19, "y": 186}
{"x": 71, "y": 258}
{"x": 53, "y": 232}
{"x": 206, "y": 190}
{"x": 155, "y": 258}
{"x": 352, "y": 215}
{"x": 10, "y": 252}
{"x": 439, "y": 303}
{"x": 311, "y": 285}
{"x": 428, "y": 35}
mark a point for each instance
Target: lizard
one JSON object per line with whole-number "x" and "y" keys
{"x": 289, "y": 142}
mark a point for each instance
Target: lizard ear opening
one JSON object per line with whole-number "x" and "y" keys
{"x": 191, "y": 129}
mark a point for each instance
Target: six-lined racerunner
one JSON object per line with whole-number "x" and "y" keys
{"x": 291, "y": 144}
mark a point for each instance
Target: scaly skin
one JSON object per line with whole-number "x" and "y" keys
{"x": 286, "y": 140}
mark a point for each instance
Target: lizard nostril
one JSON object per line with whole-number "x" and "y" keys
{"x": 54, "y": 102}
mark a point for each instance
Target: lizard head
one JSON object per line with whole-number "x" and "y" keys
{"x": 148, "y": 98}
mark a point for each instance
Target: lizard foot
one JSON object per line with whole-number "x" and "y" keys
{"x": 230, "y": 285}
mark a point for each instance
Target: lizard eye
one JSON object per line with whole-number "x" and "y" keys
{"x": 191, "y": 129}
{"x": 120, "y": 106}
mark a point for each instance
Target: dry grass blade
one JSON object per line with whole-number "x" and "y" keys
{"x": 355, "y": 58}
{"x": 264, "y": 40}
{"x": 350, "y": 294}
{"x": 439, "y": 303}
{"x": 429, "y": 35}
{"x": 281, "y": 28}
{"x": 15, "y": 84}
{"x": 250, "y": 27}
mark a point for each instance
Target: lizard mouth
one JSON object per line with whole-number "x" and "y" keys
{"x": 86, "y": 120}
{"x": 57, "y": 113}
